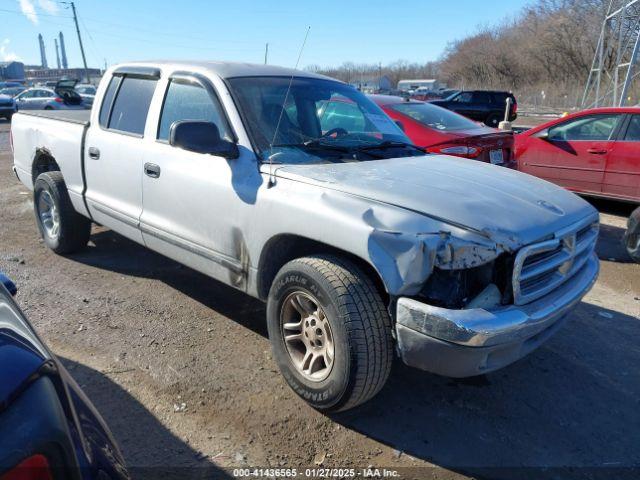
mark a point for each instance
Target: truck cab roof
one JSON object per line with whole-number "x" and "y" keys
{"x": 226, "y": 69}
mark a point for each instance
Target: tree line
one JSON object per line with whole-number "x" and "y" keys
{"x": 543, "y": 55}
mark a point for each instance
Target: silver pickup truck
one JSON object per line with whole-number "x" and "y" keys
{"x": 298, "y": 190}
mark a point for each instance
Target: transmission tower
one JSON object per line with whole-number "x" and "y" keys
{"x": 612, "y": 79}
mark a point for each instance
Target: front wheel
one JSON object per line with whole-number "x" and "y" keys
{"x": 330, "y": 332}
{"x": 62, "y": 228}
{"x": 632, "y": 236}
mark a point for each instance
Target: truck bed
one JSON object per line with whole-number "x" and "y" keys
{"x": 72, "y": 116}
{"x": 56, "y": 134}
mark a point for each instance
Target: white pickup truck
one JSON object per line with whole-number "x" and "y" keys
{"x": 298, "y": 190}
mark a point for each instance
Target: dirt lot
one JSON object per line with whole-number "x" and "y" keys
{"x": 180, "y": 367}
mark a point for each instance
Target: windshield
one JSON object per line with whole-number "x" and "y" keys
{"x": 321, "y": 120}
{"x": 435, "y": 117}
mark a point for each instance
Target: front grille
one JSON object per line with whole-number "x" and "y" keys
{"x": 541, "y": 267}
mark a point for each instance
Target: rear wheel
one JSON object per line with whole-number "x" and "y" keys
{"x": 632, "y": 236}
{"x": 62, "y": 228}
{"x": 330, "y": 332}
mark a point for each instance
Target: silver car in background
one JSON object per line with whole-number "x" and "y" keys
{"x": 61, "y": 97}
{"x": 87, "y": 92}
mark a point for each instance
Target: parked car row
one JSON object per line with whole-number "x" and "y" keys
{"x": 64, "y": 95}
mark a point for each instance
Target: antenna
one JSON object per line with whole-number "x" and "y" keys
{"x": 284, "y": 102}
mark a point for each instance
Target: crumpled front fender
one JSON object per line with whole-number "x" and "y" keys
{"x": 404, "y": 247}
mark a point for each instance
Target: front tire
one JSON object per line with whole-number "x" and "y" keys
{"x": 62, "y": 228}
{"x": 330, "y": 332}
{"x": 632, "y": 236}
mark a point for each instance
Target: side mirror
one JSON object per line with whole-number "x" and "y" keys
{"x": 543, "y": 134}
{"x": 400, "y": 124}
{"x": 201, "y": 137}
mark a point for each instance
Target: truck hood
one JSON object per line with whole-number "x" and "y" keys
{"x": 509, "y": 207}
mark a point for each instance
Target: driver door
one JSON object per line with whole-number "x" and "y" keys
{"x": 194, "y": 203}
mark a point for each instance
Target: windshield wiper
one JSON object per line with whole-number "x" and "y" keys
{"x": 315, "y": 144}
{"x": 389, "y": 144}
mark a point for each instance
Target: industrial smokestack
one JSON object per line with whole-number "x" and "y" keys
{"x": 63, "y": 52}
{"x": 43, "y": 53}
{"x": 55, "y": 40}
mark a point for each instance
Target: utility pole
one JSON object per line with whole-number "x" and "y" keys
{"x": 84, "y": 59}
{"x": 266, "y": 52}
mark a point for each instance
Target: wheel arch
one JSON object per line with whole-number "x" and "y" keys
{"x": 283, "y": 248}
{"x": 43, "y": 161}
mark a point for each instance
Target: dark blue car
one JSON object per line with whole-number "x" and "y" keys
{"x": 49, "y": 430}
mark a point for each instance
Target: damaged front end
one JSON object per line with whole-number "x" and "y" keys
{"x": 450, "y": 268}
{"x": 453, "y": 296}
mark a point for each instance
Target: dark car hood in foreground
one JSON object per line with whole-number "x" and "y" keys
{"x": 509, "y": 207}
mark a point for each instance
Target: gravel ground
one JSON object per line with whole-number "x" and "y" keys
{"x": 180, "y": 367}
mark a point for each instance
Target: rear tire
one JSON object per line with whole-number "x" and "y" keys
{"x": 330, "y": 332}
{"x": 632, "y": 236}
{"x": 62, "y": 228}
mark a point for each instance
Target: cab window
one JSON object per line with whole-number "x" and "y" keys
{"x": 130, "y": 107}
{"x": 464, "y": 97}
{"x": 587, "y": 128}
{"x": 188, "y": 101}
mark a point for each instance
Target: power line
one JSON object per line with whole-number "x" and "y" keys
{"x": 18, "y": 12}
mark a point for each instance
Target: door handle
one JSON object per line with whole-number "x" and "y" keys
{"x": 151, "y": 170}
{"x": 94, "y": 153}
{"x": 596, "y": 151}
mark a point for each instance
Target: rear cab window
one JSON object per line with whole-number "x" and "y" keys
{"x": 126, "y": 104}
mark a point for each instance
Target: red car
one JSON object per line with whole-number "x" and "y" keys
{"x": 442, "y": 131}
{"x": 593, "y": 152}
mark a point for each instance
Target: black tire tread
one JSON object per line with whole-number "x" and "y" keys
{"x": 75, "y": 229}
{"x": 367, "y": 322}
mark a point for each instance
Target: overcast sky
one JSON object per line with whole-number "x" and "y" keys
{"x": 369, "y": 31}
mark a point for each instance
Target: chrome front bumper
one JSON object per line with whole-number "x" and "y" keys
{"x": 464, "y": 343}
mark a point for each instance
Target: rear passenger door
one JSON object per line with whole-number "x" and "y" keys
{"x": 622, "y": 171}
{"x": 114, "y": 151}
